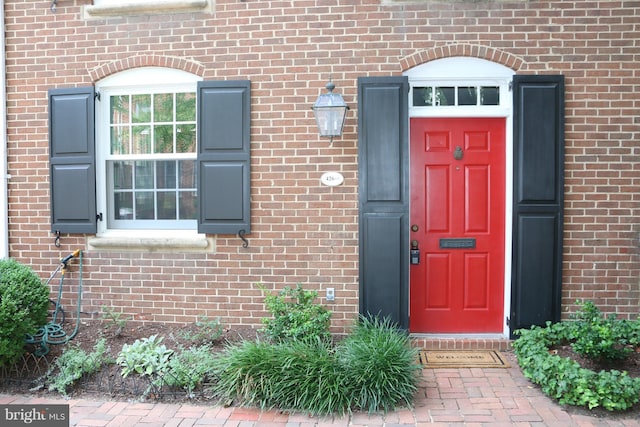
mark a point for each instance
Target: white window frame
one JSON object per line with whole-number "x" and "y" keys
{"x": 133, "y": 81}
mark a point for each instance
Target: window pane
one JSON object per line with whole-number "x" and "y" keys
{"x": 123, "y": 175}
{"x": 185, "y": 138}
{"x": 167, "y": 205}
{"x": 120, "y": 140}
{"x": 445, "y": 96}
{"x": 422, "y": 96}
{"x": 188, "y": 205}
{"x": 144, "y": 174}
{"x": 163, "y": 107}
{"x": 467, "y": 95}
{"x": 119, "y": 109}
{"x": 163, "y": 138}
{"x": 141, "y": 108}
{"x": 144, "y": 205}
{"x": 489, "y": 95}
{"x": 166, "y": 174}
{"x": 187, "y": 174}
{"x": 186, "y": 107}
{"x": 123, "y": 205}
{"x": 141, "y": 139}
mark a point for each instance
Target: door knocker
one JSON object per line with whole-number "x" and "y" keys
{"x": 457, "y": 153}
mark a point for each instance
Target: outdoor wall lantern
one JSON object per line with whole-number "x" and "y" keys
{"x": 330, "y": 111}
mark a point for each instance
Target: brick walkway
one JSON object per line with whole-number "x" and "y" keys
{"x": 447, "y": 397}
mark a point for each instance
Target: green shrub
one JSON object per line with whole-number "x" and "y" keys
{"x": 147, "y": 357}
{"x": 189, "y": 368}
{"x": 74, "y": 362}
{"x": 208, "y": 331}
{"x": 603, "y": 339}
{"x": 373, "y": 369}
{"x": 563, "y": 379}
{"x": 296, "y": 317}
{"x": 24, "y": 302}
{"x": 382, "y": 369}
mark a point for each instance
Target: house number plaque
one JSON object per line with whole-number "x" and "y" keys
{"x": 332, "y": 179}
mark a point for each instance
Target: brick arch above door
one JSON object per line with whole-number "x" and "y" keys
{"x": 471, "y": 50}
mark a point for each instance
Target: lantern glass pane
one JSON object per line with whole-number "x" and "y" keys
{"x": 330, "y": 120}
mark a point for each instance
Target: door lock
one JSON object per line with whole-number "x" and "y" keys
{"x": 414, "y": 253}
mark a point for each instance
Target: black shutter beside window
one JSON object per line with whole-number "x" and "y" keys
{"x": 72, "y": 160}
{"x": 224, "y": 156}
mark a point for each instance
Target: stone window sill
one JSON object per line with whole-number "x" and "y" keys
{"x": 146, "y": 7}
{"x": 143, "y": 243}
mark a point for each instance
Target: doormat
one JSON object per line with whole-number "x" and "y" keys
{"x": 462, "y": 359}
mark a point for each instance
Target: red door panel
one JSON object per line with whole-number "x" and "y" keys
{"x": 458, "y": 204}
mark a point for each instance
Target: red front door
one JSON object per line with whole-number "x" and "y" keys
{"x": 457, "y": 222}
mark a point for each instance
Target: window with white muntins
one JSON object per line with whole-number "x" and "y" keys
{"x": 146, "y": 150}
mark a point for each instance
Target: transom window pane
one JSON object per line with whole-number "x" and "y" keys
{"x": 489, "y": 95}
{"x": 467, "y": 95}
{"x": 450, "y": 96}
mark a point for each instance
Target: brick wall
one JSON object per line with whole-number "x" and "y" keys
{"x": 302, "y": 231}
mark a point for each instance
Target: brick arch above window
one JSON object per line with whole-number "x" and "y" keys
{"x": 112, "y": 67}
{"x": 471, "y": 50}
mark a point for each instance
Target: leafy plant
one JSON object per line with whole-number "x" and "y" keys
{"x": 563, "y": 379}
{"x": 598, "y": 337}
{"x": 208, "y": 330}
{"x": 24, "y": 302}
{"x": 189, "y": 368}
{"x": 115, "y": 320}
{"x": 296, "y": 317}
{"x": 381, "y": 365}
{"x": 144, "y": 357}
{"x": 74, "y": 362}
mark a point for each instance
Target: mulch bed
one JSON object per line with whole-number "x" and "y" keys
{"x": 27, "y": 376}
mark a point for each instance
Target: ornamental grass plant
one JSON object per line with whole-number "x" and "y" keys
{"x": 294, "y": 376}
{"x": 381, "y": 365}
{"x": 373, "y": 369}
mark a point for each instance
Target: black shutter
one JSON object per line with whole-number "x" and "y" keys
{"x": 538, "y": 200}
{"x": 383, "y": 161}
{"x": 72, "y": 161}
{"x": 224, "y": 156}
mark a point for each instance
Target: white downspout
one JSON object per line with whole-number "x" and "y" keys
{"x": 4, "y": 177}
